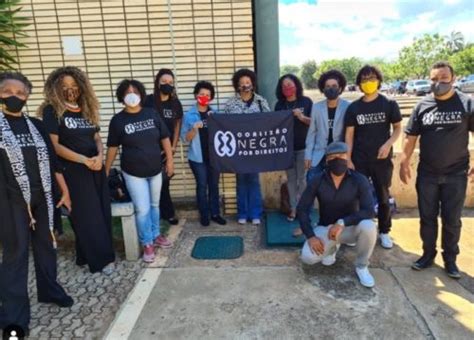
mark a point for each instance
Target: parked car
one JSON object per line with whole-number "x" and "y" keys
{"x": 457, "y": 83}
{"x": 418, "y": 87}
{"x": 398, "y": 87}
{"x": 384, "y": 87}
{"x": 468, "y": 84}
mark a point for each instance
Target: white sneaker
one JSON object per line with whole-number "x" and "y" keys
{"x": 329, "y": 260}
{"x": 366, "y": 279}
{"x": 256, "y": 221}
{"x": 386, "y": 241}
{"x": 350, "y": 244}
{"x": 242, "y": 221}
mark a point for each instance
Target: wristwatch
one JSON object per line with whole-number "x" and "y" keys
{"x": 340, "y": 222}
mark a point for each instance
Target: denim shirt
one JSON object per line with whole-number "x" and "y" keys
{"x": 191, "y": 117}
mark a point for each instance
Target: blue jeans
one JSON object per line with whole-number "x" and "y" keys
{"x": 207, "y": 188}
{"x": 145, "y": 194}
{"x": 249, "y": 197}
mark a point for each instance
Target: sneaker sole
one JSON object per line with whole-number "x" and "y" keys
{"x": 163, "y": 246}
{"x": 454, "y": 276}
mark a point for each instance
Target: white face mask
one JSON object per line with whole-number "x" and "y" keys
{"x": 131, "y": 99}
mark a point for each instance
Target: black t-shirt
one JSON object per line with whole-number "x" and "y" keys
{"x": 25, "y": 139}
{"x": 372, "y": 121}
{"x": 140, "y": 136}
{"x": 300, "y": 129}
{"x": 74, "y": 132}
{"x": 331, "y": 116}
{"x": 443, "y": 127}
{"x": 204, "y": 136}
{"x": 170, "y": 111}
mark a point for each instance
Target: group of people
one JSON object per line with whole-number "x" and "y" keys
{"x": 58, "y": 164}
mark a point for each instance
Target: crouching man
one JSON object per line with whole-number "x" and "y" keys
{"x": 346, "y": 210}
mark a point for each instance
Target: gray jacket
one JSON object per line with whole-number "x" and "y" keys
{"x": 318, "y": 132}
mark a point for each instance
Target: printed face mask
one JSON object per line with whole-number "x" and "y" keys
{"x": 70, "y": 94}
{"x": 203, "y": 100}
{"x": 337, "y": 166}
{"x": 132, "y": 99}
{"x": 331, "y": 93}
{"x": 13, "y": 104}
{"x": 440, "y": 88}
{"x": 246, "y": 88}
{"x": 289, "y": 91}
{"x": 166, "y": 89}
{"x": 369, "y": 87}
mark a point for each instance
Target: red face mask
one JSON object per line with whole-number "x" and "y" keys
{"x": 289, "y": 91}
{"x": 203, "y": 100}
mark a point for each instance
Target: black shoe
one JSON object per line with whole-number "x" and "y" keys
{"x": 219, "y": 220}
{"x": 452, "y": 270}
{"x": 173, "y": 221}
{"x": 65, "y": 301}
{"x": 205, "y": 221}
{"x": 423, "y": 262}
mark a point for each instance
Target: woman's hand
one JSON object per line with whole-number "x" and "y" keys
{"x": 66, "y": 201}
{"x": 198, "y": 125}
{"x": 97, "y": 163}
{"x": 169, "y": 168}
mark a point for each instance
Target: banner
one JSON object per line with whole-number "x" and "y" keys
{"x": 247, "y": 143}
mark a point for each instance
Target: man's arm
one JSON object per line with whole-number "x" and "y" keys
{"x": 310, "y": 140}
{"x": 304, "y": 205}
{"x": 366, "y": 204}
{"x": 408, "y": 148}
{"x": 350, "y": 144}
{"x": 384, "y": 150}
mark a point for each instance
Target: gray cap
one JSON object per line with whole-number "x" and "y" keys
{"x": 336, "y": 147}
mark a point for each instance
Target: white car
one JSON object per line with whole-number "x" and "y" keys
{"x": 418, "y": 87}
{"x": 468, "y": 84}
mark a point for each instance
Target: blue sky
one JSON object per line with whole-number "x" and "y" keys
{"x": 327, "y": 29}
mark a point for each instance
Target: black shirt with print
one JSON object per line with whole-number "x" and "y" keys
{"x": 443, "y": 127}
{"x": 300, "y": 129}
{"x": 170, "y": 111}
{"x": 372, "y": 122}
{"x": 140, "y": 136}
{"x": 74, "y": 131}
{"x": 204, "y": 136}
{"x": 331, "y": 116}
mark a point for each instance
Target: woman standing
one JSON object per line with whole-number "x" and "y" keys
{"x": 70, "y": 113}
{"x": 289, "y": 92}
{"x": 327, "y": 121}
{"x": 165, "y": 101}
{"x": 28, "y": 169}
{"x": 195, "y": 132}
{"x": 246, "y": 101}
{"x": 142, "y": 135}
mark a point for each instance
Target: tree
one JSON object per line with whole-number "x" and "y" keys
{"x": 11, "y": 28}
{"x": 349, "y": 66}
{"x": 293, "y": 69}
{"x": 463, "y": 61}
{"x": 308, "y": 69}
{"x": 455, "y": 41}
{"x": 416, "y": 59}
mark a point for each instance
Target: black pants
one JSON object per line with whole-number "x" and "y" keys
{"x": 15, "y": 307}
{"x": 166, "y": 204}
{"x": 380, "y": 172}
{"x": 90, "y": 216}
{"x": 447, "y": 193}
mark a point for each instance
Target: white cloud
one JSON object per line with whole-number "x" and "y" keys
{"x": 343, "y": 28}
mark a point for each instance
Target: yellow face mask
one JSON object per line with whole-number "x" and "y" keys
{"x": 369, "y": 87}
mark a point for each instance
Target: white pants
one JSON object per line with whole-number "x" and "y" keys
{"x": 364, "y": 235}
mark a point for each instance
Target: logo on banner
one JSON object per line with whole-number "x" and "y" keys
{"x": 225, "y": 143}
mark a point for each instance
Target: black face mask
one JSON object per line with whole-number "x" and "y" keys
{"x": 331, "y": 93}
{"x": 13, "y": 104}
{"x": 337, "y": 166}
{"x": 166, "y": 89}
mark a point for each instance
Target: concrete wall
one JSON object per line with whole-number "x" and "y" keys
{"x": 405, "y": 195}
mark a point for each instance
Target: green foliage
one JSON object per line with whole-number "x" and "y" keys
{"x": 308, "y": 69}
{"x": 348, "y": 66}
{"x": 463, "y": 61}
{"x": 11, "y": 29}
{"x": 455, "y": 41}
{"x": 293, "y": 69}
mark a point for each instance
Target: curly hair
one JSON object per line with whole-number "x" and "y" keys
{"x": 9, "y": 75}
{"x": 244, "y": 72}
{"x": 53, "y": 94}
{"x": 295, "y": 80}
{"x": 332, "y": 74}
{"x": 123, "y": 87}
{"x": 365, "y": 71}
{"x": 204, "y": 85}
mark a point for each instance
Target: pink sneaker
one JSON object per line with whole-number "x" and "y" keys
{"x": 162, "y": 242}
{"x": 148, "y": 253}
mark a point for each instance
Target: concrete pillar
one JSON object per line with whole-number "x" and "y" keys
{"x": 267, "y": 47}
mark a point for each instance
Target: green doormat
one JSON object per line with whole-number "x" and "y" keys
{"x": 279, "y": 231}
{"x": 218, "y": 248}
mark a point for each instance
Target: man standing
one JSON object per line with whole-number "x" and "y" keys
{"x": 443, "y": 122}
{"x": 346, "y": 209}
{"x": 368, "y": 121}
